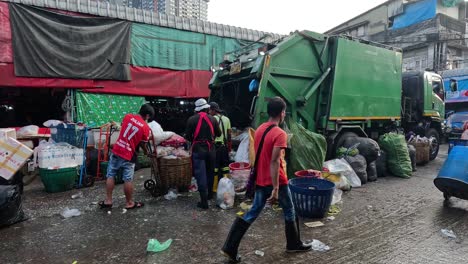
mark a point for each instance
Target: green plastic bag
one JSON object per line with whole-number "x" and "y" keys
{"x": 155, "y": 246}
{"x": 398, "y": 159}
{"x": 308, "y": 149}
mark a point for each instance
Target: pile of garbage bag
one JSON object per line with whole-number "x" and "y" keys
{"x": 367, "y": 147}
{"x": 11, "y": 206}
{"x": 398, "y": 158}
{"x": 308, "y": 149}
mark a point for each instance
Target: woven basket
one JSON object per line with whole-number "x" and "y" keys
{"x": 422, "y": 152}
{"x": 176, "y": 173}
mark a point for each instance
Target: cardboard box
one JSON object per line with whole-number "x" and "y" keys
{"x": 13, "y": 155}
{"x": 7, "y": 132}
{"x": 59, "y": 157}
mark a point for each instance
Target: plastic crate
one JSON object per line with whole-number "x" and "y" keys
{"x": 118, "y": 179}
{"x": 311, "y": 197}
{"x": 69, "y": 133}
{"x": 58, "y": 180}
{"x": 457, "y": 142}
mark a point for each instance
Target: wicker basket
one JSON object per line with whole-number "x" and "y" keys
{"x": 176, "y": 173}
{"x": 422, "y": 152}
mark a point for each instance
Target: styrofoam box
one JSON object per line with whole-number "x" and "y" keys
{"x": 7, "y": 132}
{"x": 59, "y": 157}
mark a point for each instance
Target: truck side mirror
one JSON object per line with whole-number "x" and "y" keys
{"x": 453, "y": 85}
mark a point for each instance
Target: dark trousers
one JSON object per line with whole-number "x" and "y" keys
{"x": 221, "y": 166}
{"x": 203, "y": 169}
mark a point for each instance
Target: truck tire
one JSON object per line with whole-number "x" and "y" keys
{"x": 434, "y": 150}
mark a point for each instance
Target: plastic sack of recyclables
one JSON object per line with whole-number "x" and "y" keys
{"x": 58, "y": 155}
{"x": 225, "y": 194}
{"x": 308, "y": 149}
{"x": 342, "y": 167}
{"x": 398, "y": 158}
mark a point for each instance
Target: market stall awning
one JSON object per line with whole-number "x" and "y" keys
{"x": 145, "y": 82}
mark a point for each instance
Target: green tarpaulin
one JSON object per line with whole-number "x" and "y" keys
{"x": 97, "y": 109}
{"x": 451, "y": 3}
{"x": 153, "y": 46}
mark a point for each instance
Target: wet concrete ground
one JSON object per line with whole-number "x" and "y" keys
{"x": 390, "y": 221}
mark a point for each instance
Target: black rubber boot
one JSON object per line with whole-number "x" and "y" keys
{"x": 238, "y": 229}
{"x": 293, "y": 238}
{"x": 203, "y": 204}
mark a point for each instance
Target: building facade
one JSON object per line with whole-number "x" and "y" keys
{"x": 431, "y": 33}
{"x": 197, "y": 9}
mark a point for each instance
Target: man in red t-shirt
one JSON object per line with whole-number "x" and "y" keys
{"x": 134, "y": 131}
{"x": 271, "y": 184}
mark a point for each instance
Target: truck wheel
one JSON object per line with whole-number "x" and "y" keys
{"x": 435, "y": 140}
{"x": 341, "y": 139}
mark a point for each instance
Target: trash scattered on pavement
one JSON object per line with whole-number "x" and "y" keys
{"x": 314, "y": 224}
{"x": 240, "y": 213}
{"x": 94, "y": 203}
{"x": 330, "y": 218}
{"x": 259, "y": 253}
{"x": 155, "y": 246}
{"x": 369, "y": 207}
{"x": 124, "y": 211}
{"x": 109, "y": 212}
{"x": 121, "y": 196}
{"x": 334, "y": 210}
{"x": 68, "y": 213}
{"x": 77, "y": 196}
{"x": 75, "y": 262}
{"x": 448, "y": 233}
{"x": 244, "y": 206}
{"x": 317, "y": 245}
{"x": 171, "y": 195}
{"x": 276, "y": 207}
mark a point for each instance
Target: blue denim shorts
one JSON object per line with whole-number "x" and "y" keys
{"x": 116, "y": 163}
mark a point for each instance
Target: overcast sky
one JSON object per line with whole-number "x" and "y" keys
{"x": 284, "y": 16}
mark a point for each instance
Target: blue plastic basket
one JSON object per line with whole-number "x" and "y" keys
{"x": 311, "y": 197}
{"x": 457, "y": 142}
{"x": 69, "y": 133}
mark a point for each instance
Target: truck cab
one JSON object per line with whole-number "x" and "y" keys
{"x": 423, "y": 108}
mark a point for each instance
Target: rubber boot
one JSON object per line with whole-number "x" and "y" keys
{"x": 238, "y": 229}
{"x": 293, "y": 238}
{"x": 203, "y": 204}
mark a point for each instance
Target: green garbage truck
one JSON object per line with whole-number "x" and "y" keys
{"x": 333, "y": 85}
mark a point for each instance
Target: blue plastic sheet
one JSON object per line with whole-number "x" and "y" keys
{"x": 415, "y": 13}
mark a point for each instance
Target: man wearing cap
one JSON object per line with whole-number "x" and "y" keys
{"x": 222, "y": 145}
{"x": 201, "y": 130}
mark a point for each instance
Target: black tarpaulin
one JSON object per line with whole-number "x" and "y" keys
{"x": 49, "y": 44}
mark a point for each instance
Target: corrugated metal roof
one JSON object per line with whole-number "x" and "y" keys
{"x": 454, "y": 73}
{"x": 149, "y": 17}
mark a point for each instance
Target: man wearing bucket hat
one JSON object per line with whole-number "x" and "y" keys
{"x": 222, "y": 145}
{"x": 271, "y": 184}
{"x": 201, "y": 130}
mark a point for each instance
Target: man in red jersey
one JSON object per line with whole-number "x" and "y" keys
{"x": 271, "y": 184}
{"x": 134, "y": 131}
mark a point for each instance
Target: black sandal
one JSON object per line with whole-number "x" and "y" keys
{"x": 103, "y": 205}
{"x": 136, "y": 205}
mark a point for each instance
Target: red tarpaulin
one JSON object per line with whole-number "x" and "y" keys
{"x": 145, "y": 82}
{"x": 6, "y": 51}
